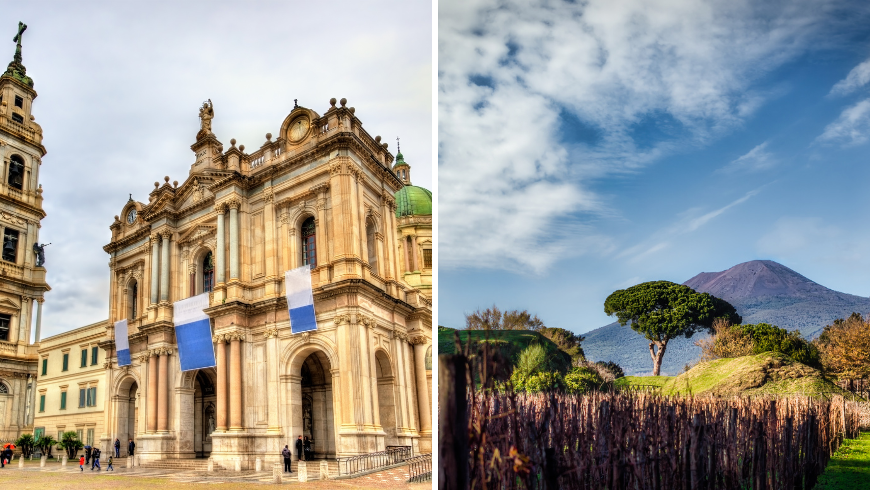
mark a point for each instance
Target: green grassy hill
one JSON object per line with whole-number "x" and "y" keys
{"x": 508, "y": 343}
{"x": 767, "y": 373}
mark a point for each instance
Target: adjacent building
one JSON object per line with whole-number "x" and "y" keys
{"x": 71, "y": 391}
{"x": 22, "y": 277}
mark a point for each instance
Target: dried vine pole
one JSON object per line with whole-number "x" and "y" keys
{"x": 638, "y": 440}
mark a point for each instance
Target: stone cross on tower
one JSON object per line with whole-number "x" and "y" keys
{"x": 17, "y": 39}
{"x": 398, "y": 147}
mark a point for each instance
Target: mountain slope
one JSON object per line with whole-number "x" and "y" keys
{"x": 761, "y": 290}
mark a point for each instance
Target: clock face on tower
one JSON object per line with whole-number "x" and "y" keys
{"x": 131, "y": 216}
{"x": 298, "y": 129}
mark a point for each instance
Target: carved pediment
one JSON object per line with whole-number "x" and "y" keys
{"x": 8, "y": 304}
{"x": 198, "y": 233}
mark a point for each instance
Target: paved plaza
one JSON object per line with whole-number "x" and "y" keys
{"x": 54, "y": 476}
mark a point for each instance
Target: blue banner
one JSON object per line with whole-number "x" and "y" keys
{"x": 300, "y": 299}
{"x": 193, "y": 333}
{"x": 122, "y": 343}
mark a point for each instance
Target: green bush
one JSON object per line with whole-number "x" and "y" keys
{"x": 70, "y": 443}
{"x": 582, "y": 380}
{"x": 613, "y": 368}
{"x": 25, "y": 443}
{"x": 770, "y": 338}
{"x": 538, "y": 382}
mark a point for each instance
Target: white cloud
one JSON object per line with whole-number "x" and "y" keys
{"x": 852, "y": 128}
{"x": 505, "y": 173}
{"x": 755, "y": 160}
{"x": 857, "y": 78}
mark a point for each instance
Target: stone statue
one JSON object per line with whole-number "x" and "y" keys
{"x": 39, "y": 250}
{"x": 206, "y": 114}
{"x": 211, "y": 424}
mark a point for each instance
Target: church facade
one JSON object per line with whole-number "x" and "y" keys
{"x": 322, "y": 193}
{"x": 22, "y": 276}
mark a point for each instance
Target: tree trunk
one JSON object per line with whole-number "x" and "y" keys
{"x": 657, "y": 356}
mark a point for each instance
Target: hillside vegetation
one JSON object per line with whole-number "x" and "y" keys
{"x": 767, "y": 373}
{"x": 507, "y": 343}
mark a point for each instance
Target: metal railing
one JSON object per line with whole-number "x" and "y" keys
{"x": 420, "y": 468}
{"x": 372, "y": 461}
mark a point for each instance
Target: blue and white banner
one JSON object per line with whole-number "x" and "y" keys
{"x": 122, "y": 343}
{"x": 300, "y": 299}
{"x": 193, "y": 333}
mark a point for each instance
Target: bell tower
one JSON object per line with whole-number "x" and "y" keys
{"x": 22, "y": 275}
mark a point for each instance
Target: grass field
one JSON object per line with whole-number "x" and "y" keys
{"x": 849, "y": 469}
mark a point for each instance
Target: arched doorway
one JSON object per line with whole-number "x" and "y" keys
{"x": 204, "y": 416}
{"x": 314, "y": 416}
{"x": 127, "y": 403}
{"x": 386, "y": 398}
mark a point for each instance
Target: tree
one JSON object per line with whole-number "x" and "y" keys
{"x": 70, "y": 442}
{"x": 567, "y": 341}
{"x": 663, "y": 310}
{"x": 845, "y": 347}
{"x": 25, "y": 443}
{"x": 495, "y": 319}
{"x": 45, "y": 444}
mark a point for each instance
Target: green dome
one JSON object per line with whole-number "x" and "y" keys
{"x": 412, "y": 200}
{"x": 400, "y": 160}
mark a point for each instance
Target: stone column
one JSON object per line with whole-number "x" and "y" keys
{"x": 24, "y": 320}
{"x": 294, "y": 246}
{"x": 39, "y": 302}
{"x": 236, "y": 381}
{"x": 356, "y": 249}
{"x": 272, "y": 378}
{"x": 389, "y": 241}
{"x": 221, "y": 388}
{"x": 234, "y": 239}
{"x": 155, "y": 271}
{"x": 220, "y": 259}
{"x": 270, "y": 251}
{"x": 420, "y": 347}
{"x": 33, "y": 408}
{"x": 163, "y": 393}
{"x": 322, "y": 233}
{"x": 152, "y": 392}
{"x": 164, "y": 268}
{"x": 416, "y": 265}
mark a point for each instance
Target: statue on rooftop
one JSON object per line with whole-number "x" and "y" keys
{"x": 39, "y": 250}
{"x": 206, "y": 114}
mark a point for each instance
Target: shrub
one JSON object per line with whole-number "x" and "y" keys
{"x": 543, "y": 381}
{"x": 582, "y": 379}
{"x": 567, "y": 341}
{"x": 770, "y": 338}
{"x": 845, "y": 347}
{"x": 613, "y": 370}
{"x": 726, "y": 342}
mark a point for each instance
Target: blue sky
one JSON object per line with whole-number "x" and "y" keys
{"x": 120, "y": 85}
{"x": 587, "y": 147}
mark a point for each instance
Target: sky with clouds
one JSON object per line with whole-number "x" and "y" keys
{"x": 120, "y": 85}
{"x": 589, "y": 146}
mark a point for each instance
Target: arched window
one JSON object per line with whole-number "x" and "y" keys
{"x": 372, "y": 246}
{"x": 409, "y": 254}
{"x": 4, "y": 389}
{"x": 134, "y": 303}
{"x": 309, "y": 249}
{"x": 16, "y": 172}
{"x": 207, "y": 273}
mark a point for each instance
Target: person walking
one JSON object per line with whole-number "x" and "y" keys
{"x": 131, "y": 447}
{"x": 82, "y": 463}
{"x": 117, "y": 448}
{"x": 287, "y": 456}
{"x": 96, "y": 460}
{"x": 88, "y": 453}
{"x": 299, "y": 448}
{"x": 109, "y": 468}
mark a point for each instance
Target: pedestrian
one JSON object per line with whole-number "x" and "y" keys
{"x": 109, "y": 468}
{"x": 82, "y": 463}
{"x": 306, "y": 448}
{"x": 131, "y": 447}
{"x": 88, "y": 454}
{"x": 299, "y": 448}
{"x": 7, "y": 455}
{"x": 117, "y": 448}
{"x": 96, "y": 460}
{"x": 287, "y": 455}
